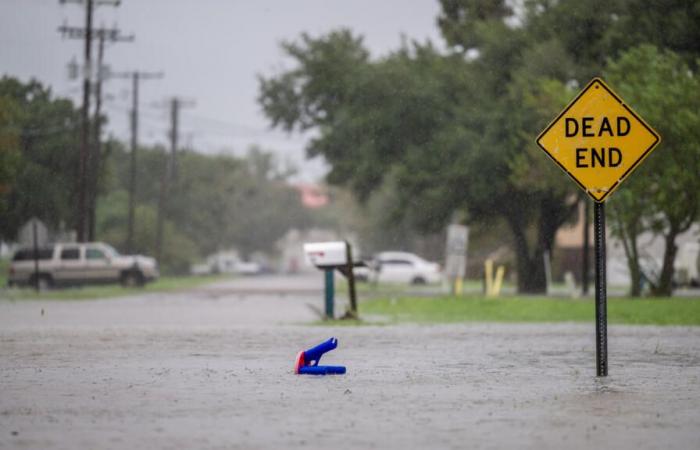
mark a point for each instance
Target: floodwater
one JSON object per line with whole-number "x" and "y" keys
{"x": 213, "y": 369}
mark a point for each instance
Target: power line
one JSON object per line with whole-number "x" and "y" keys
{"x": 248, "y": 129}
{"x": 211, "y": 125}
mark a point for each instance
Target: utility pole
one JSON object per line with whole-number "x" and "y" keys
{"x": 169, "y": 169}
{"x": 84, "y": 126}
{"x": 96, "y": 144}
{"x": 102, "y": 73}
{"x": 84, "y": 156}
{"x": 136, "y": 77}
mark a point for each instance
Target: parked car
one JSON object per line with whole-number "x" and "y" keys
{"x": 78, "y": 264}
{"x": 226, "y": 262}
{"x": 363, "y": 274}
{"x": 399, "y": 267}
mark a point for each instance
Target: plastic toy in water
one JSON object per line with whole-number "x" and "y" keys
{"x": 307, "y": 362}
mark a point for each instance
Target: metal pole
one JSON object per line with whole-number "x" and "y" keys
{"x": 601, "y": 313}
{"x": 330, "y": 291}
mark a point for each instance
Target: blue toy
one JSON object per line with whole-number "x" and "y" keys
{"x": 307, "y": 362}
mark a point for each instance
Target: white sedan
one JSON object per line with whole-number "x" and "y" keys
{"x": 403, "y": 267}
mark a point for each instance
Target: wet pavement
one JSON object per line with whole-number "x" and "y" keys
{"x": 212, "y": 368}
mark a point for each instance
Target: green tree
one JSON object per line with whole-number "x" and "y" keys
{"x": 242, "y": 203}
{"x": 38, "y": 156}
{"x": 10, "y": 155}
{"x": 592, "y": 31}
{"x": 216, "y": 202}
{"x": 664, "y": 195}
{"x": 437, "y": 123}
{"x": 309, "y": 96}
{"x": 111, "y": 214}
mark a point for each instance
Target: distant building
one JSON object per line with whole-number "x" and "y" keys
{"x": 291, "y": 250}
{"x": 568, "y": 254}
{"x": 568, "y": 250}
{"x": 313, "y": 196}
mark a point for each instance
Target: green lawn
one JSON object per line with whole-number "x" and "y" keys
{"x": 4, "y": 265}
{"x": 163, "y": 284}
{"x": 666, "y": 311}
{"x": 373, "y": 289}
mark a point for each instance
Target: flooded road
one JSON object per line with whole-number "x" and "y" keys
{"x": 212, "y": 368}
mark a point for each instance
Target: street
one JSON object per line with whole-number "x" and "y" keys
{"x": 212, "y": 368}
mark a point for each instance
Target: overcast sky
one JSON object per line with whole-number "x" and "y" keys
{"x": 210, "y": 51}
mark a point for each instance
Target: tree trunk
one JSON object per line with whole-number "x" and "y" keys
{"x": 628, "y": 235}
{"x": 552, "y": 212}
{"x": 664, "y": 287}
{"x": 531, "y": 275}
{"x": 534, "y": 281}
{"x": 635, "y": 277}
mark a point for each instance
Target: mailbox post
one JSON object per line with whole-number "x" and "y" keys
{"x": 331, "y": 256}
{"x": 330, "y": 294}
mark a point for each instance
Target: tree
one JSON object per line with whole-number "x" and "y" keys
{"x": 436, "y": 122}
{"x": 10, "y": 154}
{"x": 463, "y": 22}
{"x": 308, "y": 97}
{"x": 667, "y": 24}
{"x": 218, "y": 202}
{"x": 241, "y": 203}
{"x": 663, "y": 197}
{"x": 456, "y": 130}
{"x": 38, "y": 141}
{"x": 177, "y": 256}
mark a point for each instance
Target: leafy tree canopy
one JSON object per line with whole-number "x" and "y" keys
{"x": 38, "y": 156}
{"x": 664, "y": 194}
{"x": 456, "y": 130}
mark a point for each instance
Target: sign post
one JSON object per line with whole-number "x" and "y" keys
{"x": 601, "y": 294}
{"x": 598, "y": 140}
{"x": 331, "y": 256}
{"x": 330, "y": 294}
{"x": 35, "y": 234}
{"x": 456, "y": 256}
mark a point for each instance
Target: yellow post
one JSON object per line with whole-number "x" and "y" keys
{"x": 500, "y": 273}
{"x": 488, "y": 274}
{"x": 459, "y": 286}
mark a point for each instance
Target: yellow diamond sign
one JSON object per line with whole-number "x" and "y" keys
{"x": 598, "y": 140}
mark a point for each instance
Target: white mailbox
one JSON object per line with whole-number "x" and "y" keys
{"x": 327, "y": 254}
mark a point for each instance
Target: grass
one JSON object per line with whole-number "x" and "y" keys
{"x": 4, "y": 266}
{"x": 375, "y": 289}
{"x": 646, "y": 311}
{"x": 163, "y": 284}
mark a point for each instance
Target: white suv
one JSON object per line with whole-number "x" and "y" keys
{"x": 84, "y": 263}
